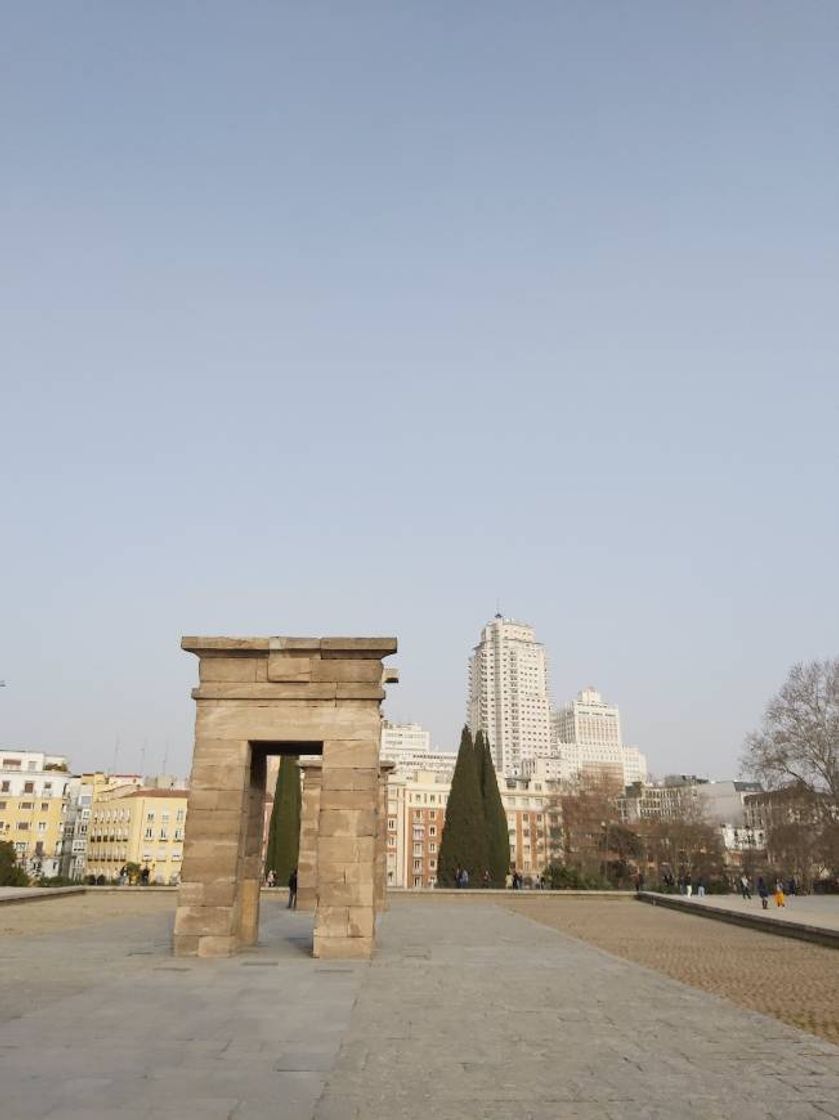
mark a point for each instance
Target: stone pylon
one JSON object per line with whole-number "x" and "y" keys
{"x": 262, "y": 696}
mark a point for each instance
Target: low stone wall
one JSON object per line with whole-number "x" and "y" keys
{"x": 800, "y": 931}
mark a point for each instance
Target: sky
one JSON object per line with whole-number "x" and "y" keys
{"x": 368, "y": 318}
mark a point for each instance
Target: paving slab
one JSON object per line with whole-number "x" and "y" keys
{"x": 466, "y": 1011}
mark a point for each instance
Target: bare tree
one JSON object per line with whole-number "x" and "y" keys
{"x": 798, "y": 741}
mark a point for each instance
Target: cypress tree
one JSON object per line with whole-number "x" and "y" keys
{"x": 464, "y": 842}
{"x": 284, "y": 829}
{"x": 498, "y": 837}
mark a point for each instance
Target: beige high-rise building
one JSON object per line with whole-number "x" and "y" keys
{"x": 508, "y": 694}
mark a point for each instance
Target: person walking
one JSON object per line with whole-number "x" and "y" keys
{"x": 688, "y": 886}
{"x": 745, "y": 888}
{"x": 700, "y": 887}
{"x": 271, "y": 878}
{"x": 763, "y": 891}
{"x": 780, "y": 898}
{"x": 464, "y": 878}
{"x": 292, "y": 890}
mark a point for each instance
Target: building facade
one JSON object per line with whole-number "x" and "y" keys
{"x": 417, "y": 816}
{"x": 408, "y": 746}
{"x": 137, "y": 826}
{"x": 587, "y": 743}
{"x": 508, "y": 694}
{"x": 32, "y": 808}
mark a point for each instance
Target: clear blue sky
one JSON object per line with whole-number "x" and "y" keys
{"x": 354, "y": 317}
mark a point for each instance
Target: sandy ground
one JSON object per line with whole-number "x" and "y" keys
{"x": 76, "y": 911}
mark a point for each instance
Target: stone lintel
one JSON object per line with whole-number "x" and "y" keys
{"x": 370, "y": 648}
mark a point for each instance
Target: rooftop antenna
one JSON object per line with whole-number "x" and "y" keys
{"x": 165, "y": 756}
{"x": 498, "y": 613}
{"x": 143, "y": 757}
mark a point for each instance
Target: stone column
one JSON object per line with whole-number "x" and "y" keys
{"x": 345, "y": 915}
{"x": 307, "y": 860}
{"x": 208, "y": 919}
{"x": 254, "y": 826}
{"x": 380, "y": 884}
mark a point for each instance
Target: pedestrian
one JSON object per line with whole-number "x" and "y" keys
{"x": 745, "y": 888}
{"x": 639, "y": 882}
{"x": 508, "y": 881}
{"x": 780, "y": 899}
{"x": 271, "y": 878}
{"x": 485, "y": 880}
{"x": 464, "y": 878}
{"x": 688, "y": 886}
{"x": 700, "y": 887}
{"x": 292, "y": 890}
{"x": 763, "y": 891}
{"x": 458, "y": 873}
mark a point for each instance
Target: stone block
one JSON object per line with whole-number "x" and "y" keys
{"x": 212, "y": 946}
{"x": 367, "y": 691}
{"x": 347, "y": 822}
{"x": 204, "y": 920}
{"x": 218, "y": 824}
{"x": 227, "y": 669}
{"x": 283, "y": 690}
{"x": 310, "y": 646}
{"x": 347, "y": 894}
{"x": 350, "y": 779}
{"x": 361, "y": 921}
{"x": 371, "y": 647}
{"x": 337, "y": 849}
{"x": 346, "y": 799}
{"x": 350, "y": 672}
{"x": 342, "y": 948}
{"x": 304, "y": 721}
{"x": 332, "y": 921}
{"x": 224, "y": 751}
{"x": 217, "y": 892}
{"x": 185, "y": 944}
{"x": 212, "y": 800}
{"x": 219, "y": 776}
{"x": 285, "y": 668}
{"x": 353, "y": 752}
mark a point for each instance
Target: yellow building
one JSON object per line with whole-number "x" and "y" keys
{"x": 137, "y": 826}
{"x": 32, "y": 808}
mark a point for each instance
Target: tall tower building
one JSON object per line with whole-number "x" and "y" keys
{"x": 508, "y": 694}
{"x": 587, "y": 741}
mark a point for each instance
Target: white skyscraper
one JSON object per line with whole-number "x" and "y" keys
{"x": 587, "y": 740}
{"x": 508, "y": 694}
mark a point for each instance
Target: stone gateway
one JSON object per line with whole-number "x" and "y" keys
{"x": 314, "y": 697}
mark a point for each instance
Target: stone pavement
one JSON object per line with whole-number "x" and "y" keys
{"x": 467, "y": 1010}
{"x": 812, "y": 910}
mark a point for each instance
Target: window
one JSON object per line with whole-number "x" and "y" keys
{"x": 5, "y": 787}
{"x": 45, "y": 806}
{"x": 42, "y": 826}
{"x": 149, "y": 834}
{"x": 28, "y": 787}
{"x": 23, "y": 826}
{"x": 432, "y": 830}
{"x": 150, "y": 816}
{"x": 179, "y": 816}
{"x": 391, "y": 824}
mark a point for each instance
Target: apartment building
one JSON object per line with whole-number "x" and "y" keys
{"x": 32, "y": 808}
{"x": 139, "y": 826}
{"x": 508, "y": 694}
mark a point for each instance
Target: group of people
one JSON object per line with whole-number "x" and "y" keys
{"x": 779, "y": 894}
